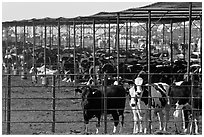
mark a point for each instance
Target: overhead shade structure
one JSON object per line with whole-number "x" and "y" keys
{"x": 161, "y": 12}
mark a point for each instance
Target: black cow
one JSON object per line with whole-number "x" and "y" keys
{"x": 92, "y": 104}
{"x": 186, "y": 102}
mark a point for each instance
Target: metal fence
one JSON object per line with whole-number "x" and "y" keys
{"x": 55, "y": 84}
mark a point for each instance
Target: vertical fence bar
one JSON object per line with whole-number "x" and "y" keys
{"x": 109, "y": 43}
{"x": 118, "y": 44}
{"x": 184, "y": 40}
{"x": 58, "y": 51}
{"x": 34, "y": 44}
{"x": 189, "y": 40}
{"x": 105, "y": 103}
{"x": 45, "y": 43}
{"x": 126, "y": 39}
{"x": 53, "y": 103}
{"x": 74, "y": 27}
{"x": 163, "y": 39}
{"x": 9, "y": 104}
{"x": 149, "y": 61}
{"x": 171, "y": 41}
{"x": 188, "y": 64}
{"x": 201, "y": 42}
{"x": 81, "y": 33}
{"x": 94, "y": 50}
{"x": 130, "y": 35}
{"x": 16, "y": 41}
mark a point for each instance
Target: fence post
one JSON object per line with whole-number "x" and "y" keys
{"x": 105, "y": 103}
{"x": 53, "y": 103}
{"x": 9, "y": 105}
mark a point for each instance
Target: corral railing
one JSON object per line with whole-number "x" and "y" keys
{"x": 8, "y": 98}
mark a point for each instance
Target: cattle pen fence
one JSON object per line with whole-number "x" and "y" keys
{"x": 8, "y": 101}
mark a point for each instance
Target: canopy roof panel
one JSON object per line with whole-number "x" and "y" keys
{"x": 161, "y": 12}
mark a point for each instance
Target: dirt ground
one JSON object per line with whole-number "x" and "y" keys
{"x": 68, "y": 113}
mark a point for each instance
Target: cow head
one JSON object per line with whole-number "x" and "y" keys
{"x": 88, "y": 94}
{"x": 135, "y": 91}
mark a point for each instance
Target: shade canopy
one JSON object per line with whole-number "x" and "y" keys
{"x": 161, "y": 12}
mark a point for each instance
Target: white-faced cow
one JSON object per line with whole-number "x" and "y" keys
{"x": 93, "y": 104}
{"x": 140, "y": 104}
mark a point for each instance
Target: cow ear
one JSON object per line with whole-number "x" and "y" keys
{"x": 78, "y": 90}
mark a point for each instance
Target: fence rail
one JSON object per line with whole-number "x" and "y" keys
{"x": 8, "y": 108}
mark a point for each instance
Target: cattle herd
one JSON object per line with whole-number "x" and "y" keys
{"x": 170, "y": 86}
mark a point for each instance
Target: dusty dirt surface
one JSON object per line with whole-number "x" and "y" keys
{"x": 68, "y": 113}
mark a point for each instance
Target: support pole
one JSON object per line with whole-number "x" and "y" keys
{"x": 147, "y": 41}
{"x": 109, "y": 44}
{"x": 34, "y": 65}
{"x": 130, "y": 35}
{"x": 94, "y": 46}
{"x": 126, "y": 44}
{"x": 105, "y": 103}
{"x": 149, "y": 61}
{"x": 59, "y": 65}
{"x": 9, "y": 105}
{"x": 201, "y": 41}
{"x": 16, "y": 45}
{"x": 163, "y": 38}
{"x": 189, "y": 41}
{"x": 74, "y": 55}
{"x": 81, "y": 33}
{"x": 50, "y": 36}
{"x": 45, "y": 44}
{"x": 188, "y": 65}
{"x": 59, "y": 45}
{"x": 23, "y": 76}
{"x": 184, "y": 40}
{"x": 118, "y": 45}
{"x": 69, "y": 37}
{"x": 171, "y": 41}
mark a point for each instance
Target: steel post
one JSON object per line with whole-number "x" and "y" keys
{"x": 184, "y": 40}
{"x": 59, "y": 45}
{"x": 171, "y": 41}
{"x": 34, "y": 45}
{"x": 16, "y": 41}
{"x": 9, "y": 104}
{"x": 81, "y": 33}
{"x": 130, "y": 35}
{"x": 126, "y": 43}
{"x": 201, "y": 41}
{"x": 189, "y": 40}
{"x": 94, "y": 50}
{"x": 109, "y": 44}
{"x": 105, "y": 103}
{"x": 118, "y": 44}
{"x": 149, "y": 69}
{"x": 74, "y": 25}
{"x": 53, "y": 103}
{"x": 163, "y": 38}
{"x": 45, "y": 45}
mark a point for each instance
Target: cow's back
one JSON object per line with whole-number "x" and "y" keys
{"x": 116, "y": 97}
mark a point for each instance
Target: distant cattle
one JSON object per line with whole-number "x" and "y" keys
{"x": 140, "y": 104}
{"x": 93, "y": 104}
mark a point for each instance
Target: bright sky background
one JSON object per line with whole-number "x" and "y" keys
{"x": 27, "y": 10}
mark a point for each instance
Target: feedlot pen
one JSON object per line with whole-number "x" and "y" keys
{"x": 36, "y": 109}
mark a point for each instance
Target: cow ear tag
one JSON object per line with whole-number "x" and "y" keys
{"x": 138, "y": 81}
{"x": 93, "y": 92}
